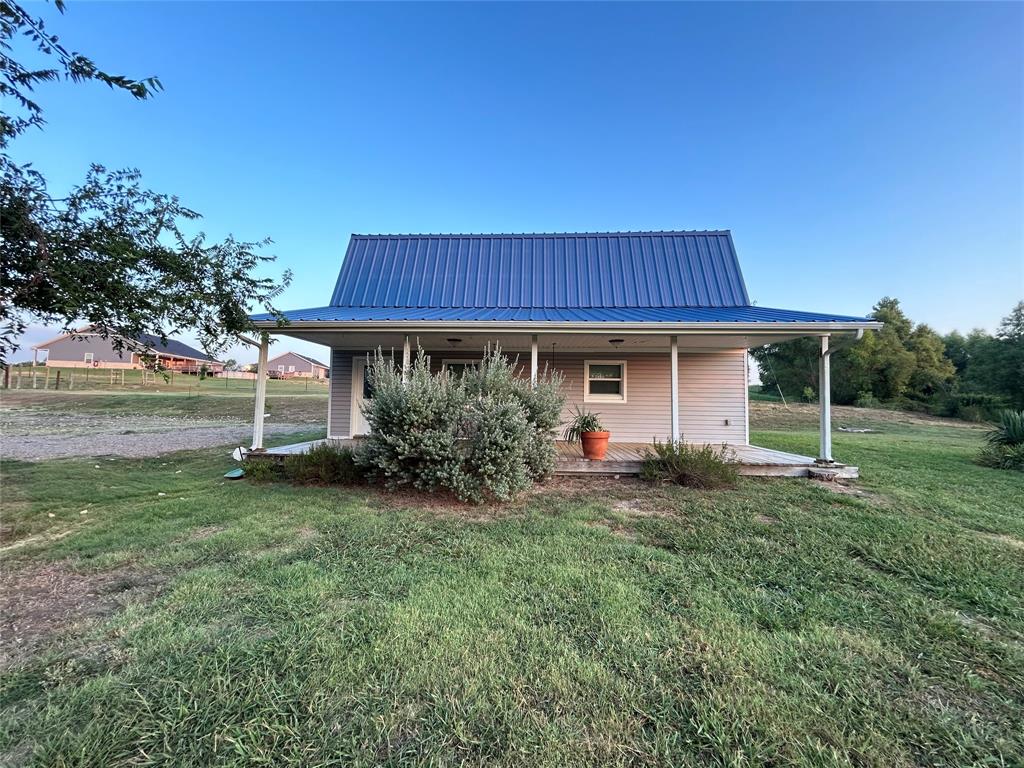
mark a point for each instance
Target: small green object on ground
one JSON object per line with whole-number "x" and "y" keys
{"x": 235, "y": 474}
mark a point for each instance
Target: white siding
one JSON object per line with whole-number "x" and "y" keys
{"x": 339, "y": 419}
{"x": 712, "y": 390}
{"x": 647, "y": 412}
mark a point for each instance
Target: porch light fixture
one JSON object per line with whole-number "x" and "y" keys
{"x": 615, "y": 342}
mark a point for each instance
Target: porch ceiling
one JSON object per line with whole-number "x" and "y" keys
{"x": 585, "y": 340}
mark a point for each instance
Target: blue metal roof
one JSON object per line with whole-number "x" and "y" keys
{"x": 748, "y": 314}
{"x": 617, "y": 269}
{"x": 616, "y": 277}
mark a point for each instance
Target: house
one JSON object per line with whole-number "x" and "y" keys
{"x": 650, "y": 329}
{"x": 290, "y": 365}
{"x": 88, "y": 349}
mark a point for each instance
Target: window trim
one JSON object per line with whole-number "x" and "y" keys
{"x": 89, "y": 357}
{"x": 291, "y": 369}
{"x": 589, "y": 398}
{"x": 280, "y": 368}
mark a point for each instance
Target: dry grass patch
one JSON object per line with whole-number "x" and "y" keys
{"x": 39, "y": 602}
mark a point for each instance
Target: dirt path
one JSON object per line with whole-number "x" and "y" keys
{"x": 36, "y": 434}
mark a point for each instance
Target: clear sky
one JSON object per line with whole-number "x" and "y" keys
{"x": 855, "y": 151}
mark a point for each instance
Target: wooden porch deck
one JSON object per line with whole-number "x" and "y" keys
{"x": 625, "y": 459}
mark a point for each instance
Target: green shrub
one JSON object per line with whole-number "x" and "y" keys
{"x": 866, "y": 400}
{"x": 809, "y": 395}
{"x": 262, "y": 470}
{"x": 1004, "y": 447}
{"x": 485, "y": 434}
{"x": 1002, "y": 456}
{"x": 695, "y": 466}
{"x": 1009, "y": 429}
{"x": 970, "y": 406}
{"x": 323, "y": 464}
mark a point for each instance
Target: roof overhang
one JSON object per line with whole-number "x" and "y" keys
{"x": 516, "y": 335}
{"x": 660, "y": 328}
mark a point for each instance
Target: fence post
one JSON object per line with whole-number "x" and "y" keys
{"x": 71, "y": 382}
{"x": 7, "y": 377}
{"x": 46, "y": 384}
{"x": 17, "y": 381}
{"x": 56, "y": 384}
{"x": 33, "y": 378}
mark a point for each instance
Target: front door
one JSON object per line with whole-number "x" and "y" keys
{"x": 361, "y": 393}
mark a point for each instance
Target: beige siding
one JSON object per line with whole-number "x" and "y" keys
{"x": 645, "y": 415}
{"x": 712, "y": 389}
{"x": 340, "y": 407}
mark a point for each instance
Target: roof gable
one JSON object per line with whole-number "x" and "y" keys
{"x": 146, "y": 342}
{"x": 312, "y": 361}
{"x": 586, "y": 270}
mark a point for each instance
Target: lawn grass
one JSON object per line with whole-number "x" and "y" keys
{"x": 44, "y": 379}
{"x": 755, "y": 393}
{"x": 286, "y": 405}
{"x": 591, "y": 623}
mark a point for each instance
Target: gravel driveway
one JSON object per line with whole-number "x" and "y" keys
{"x": 35, "y": 434}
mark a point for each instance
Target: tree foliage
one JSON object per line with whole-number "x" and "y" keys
{"x": 108, "y": 252}
{"x": 909, "y": 364}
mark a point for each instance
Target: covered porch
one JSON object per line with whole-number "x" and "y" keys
{"x": 671, "y": 383}
{"x": 624, "y": 459}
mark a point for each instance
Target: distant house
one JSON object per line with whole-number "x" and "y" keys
{"x": 290, "y": 365}
{"x": 88, "y": 349}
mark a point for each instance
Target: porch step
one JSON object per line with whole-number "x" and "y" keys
{"x": 588, "y": 467}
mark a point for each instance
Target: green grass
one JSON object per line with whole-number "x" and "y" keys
{"x": 99, "y": 380}
{"x": 756, "y": 394}
{"x": 286, "y": 406}
{"x": 591, "y": 624}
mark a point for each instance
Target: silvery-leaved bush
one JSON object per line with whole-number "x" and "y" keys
{"x": 487, "y": 433}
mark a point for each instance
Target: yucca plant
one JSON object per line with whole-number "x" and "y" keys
{"x": 1005, "y": 448}
{"x": 581, "y": 421}
{"x": 1009, "y": 430}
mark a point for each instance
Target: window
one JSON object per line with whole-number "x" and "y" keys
{"x": 456, "y": 368}
{"x": 280, "y": 369}
{"x": 604, "y": 381}
{"x": 291, "y": 369}
{"x": 88, "y": 358}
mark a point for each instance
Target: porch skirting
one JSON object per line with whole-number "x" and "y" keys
{"x": 624, "y": 459}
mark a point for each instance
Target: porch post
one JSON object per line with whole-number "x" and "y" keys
{"x": 674, "y": 357}
{"x": 825, "y": 402}
{"x": 533, "y": 359}
{"x": 261, "y": 393}
{"x": 405, "y": 358}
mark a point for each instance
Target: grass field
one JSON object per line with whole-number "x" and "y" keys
{"x": 755, "y": 394}
{"x": 186, "y": 620}
{"x": 104, "y": 380}
{"x": 287, "y": 402}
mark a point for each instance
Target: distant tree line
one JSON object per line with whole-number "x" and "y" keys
{"x": 908, "y": 365}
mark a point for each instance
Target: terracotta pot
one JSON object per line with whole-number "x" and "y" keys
{"x": 595, "y": 445}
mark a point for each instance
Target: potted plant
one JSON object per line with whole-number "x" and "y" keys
{"x": 585, "y": 427}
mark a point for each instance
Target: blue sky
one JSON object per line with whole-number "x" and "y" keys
{"x": 855, "y": 151}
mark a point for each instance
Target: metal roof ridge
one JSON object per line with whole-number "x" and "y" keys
{"x": 624, "y": 233}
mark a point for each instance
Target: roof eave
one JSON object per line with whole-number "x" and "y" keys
{"x": 765, "y": 327}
